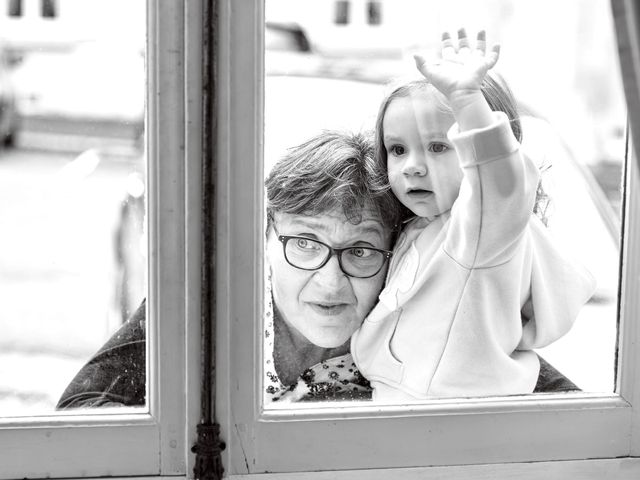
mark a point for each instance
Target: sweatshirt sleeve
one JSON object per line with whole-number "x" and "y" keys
{"x": 496, "y": 195}
{"x": 560, "y": 286}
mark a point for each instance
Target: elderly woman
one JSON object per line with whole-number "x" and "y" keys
{"x": 330, "y": 222}
{"x": 330, "y": 228}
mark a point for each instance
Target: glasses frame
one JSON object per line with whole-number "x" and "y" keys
{"x": 332, "y": 251}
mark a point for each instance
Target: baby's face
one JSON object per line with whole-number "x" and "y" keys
{"x": 422, "y": 165}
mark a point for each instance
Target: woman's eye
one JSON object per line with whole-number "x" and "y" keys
{"x": 438, "y": 147}
{"x": 305, "y": 244}
{"x": 360, "y": 252}
{"x": 397, "y": 150}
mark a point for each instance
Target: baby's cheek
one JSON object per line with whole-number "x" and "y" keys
{"x": 395, "y": 182}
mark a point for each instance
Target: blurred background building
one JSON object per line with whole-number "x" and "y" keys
{"x": 77, "y": 70}
{"x": 571, "y": 44}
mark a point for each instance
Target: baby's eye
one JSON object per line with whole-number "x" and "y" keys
{"x": 397, "y": 150}
{"x": 437, "y": 147}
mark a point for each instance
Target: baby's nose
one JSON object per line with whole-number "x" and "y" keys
{"x": 415, "y": 167}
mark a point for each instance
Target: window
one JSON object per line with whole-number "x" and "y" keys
{"x": 374, "y": 13}
{"x": 154, "y": 442}
{"x": 48, "y": 9}
{"x": 14, "y": 8}
{"x": 351, "y": 438}
{"x": 342, "y": 12}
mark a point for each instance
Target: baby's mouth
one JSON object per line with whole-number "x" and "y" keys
{"x": 419, "y": 193}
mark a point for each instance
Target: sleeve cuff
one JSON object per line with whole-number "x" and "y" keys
{"x": 483, "y": 145}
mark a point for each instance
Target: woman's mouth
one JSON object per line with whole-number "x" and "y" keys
{"x": 329, "y": 309}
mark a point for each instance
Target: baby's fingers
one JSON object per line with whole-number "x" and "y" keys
{"x": 491, "y": 58}
{"x": 463, "y": 43}
{"x": 422, "y": 66}
{"x": 448, "y": 50}
{"x": 481, "y": 44}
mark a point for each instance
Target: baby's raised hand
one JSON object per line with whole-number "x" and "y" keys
{"x": 461, "y": 71}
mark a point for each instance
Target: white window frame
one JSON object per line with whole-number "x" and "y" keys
{"x": 156, "y": 443}
{"x": 593, "y": 435}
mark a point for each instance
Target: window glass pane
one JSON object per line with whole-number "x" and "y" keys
{"x": 539, "y": 313}
{"x": 14, "y": 8}
{"x": 48, "y": 8}
{"x": 72, "y": 205}
{"x": 342, "y": 12}
{"x": 374, "y": 13}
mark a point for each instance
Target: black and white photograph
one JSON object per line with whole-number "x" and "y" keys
{"x": 319, "y": 239}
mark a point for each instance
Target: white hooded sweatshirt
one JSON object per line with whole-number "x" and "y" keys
{"x": 449, "y": 320}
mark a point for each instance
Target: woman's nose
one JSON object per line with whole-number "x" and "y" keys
{"x": 331, "y": 275}
{"x": 415, "y": 165}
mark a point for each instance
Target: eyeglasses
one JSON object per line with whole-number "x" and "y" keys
{"x": 355, "y": 261}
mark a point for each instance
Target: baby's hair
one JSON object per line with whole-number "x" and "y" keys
{"x": 500, "y": 99}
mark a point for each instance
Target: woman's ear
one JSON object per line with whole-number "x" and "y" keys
{"x": 269, "y": 224}
{"x": 270, "y": 237}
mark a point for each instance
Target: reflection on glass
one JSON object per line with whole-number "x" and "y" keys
{"x": 72, "y": 182}
{"x": 572, "y": 112}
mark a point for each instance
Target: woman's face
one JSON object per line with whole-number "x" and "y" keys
{"x": 324, "y": 306}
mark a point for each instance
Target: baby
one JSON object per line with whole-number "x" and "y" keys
{"x": 449, "y": 322}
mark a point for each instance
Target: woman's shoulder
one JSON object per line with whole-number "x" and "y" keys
{"x": 115, "y": 375}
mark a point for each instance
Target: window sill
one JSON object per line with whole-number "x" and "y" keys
{"x": 613, "y": 468}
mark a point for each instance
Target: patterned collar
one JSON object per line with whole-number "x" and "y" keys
{"x": 330, "y": 380}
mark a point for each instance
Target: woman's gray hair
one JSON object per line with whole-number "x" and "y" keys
{"x": 333, "y": 170}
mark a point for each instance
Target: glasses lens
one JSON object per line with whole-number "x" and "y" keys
{"x": 305, "y": 253}
{"x": 362, "y": 261}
